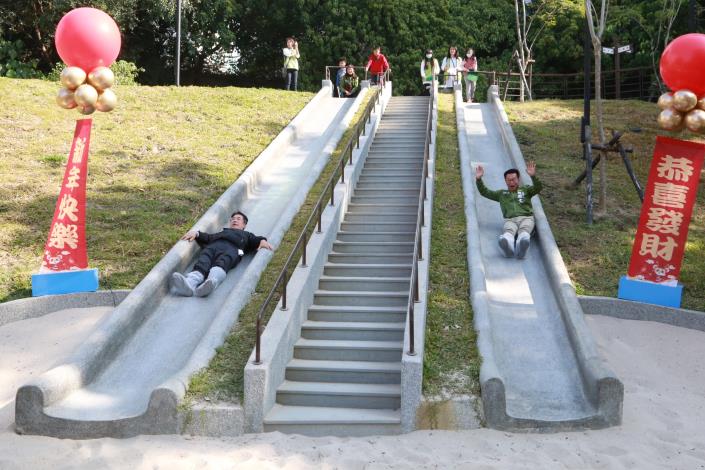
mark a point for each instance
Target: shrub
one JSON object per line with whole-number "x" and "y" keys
{"x": 11, "y": 63}
{"x": 125, "y": 72}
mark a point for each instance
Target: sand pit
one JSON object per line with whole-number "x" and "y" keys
{"x": 664, "y": 411}
{"x": 30, "y": 347}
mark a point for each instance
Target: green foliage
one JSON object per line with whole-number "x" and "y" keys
{"x": 125, "y": 72}
{"x": 12, "y": 64}
{"x": 244, "y": 38}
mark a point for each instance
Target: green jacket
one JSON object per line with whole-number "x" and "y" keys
{"x": 516, "y": 203}
{"x": 349, "y": 83}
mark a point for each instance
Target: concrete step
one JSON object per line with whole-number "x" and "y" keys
{"x": 370, "y": 258}
{"x": 385, "y": 192}
{"x": 361, "y": 298}
{"x": 367, "y": 284}
{"x": 382, "y": 207}
{"x": 372, "y": 331}
{"x": 332, "y": 350}
{"x": 390, "y": 185}
{"x": 364, "y": 248}
{"x": 305, "y": 370}
{"x": 391, "y": 173}
{"x": 375, "y": 236}
{"x": 378, "y": 226}
{"x": 342, "y": 395}
{"x": 367, "y": 270}
{"x": 356, "y": 313}
{"x": 370, "y": 217}
{"x": 327, "y": 421}
{"x": 387, "y": 153}
{"x": 390, "y": 177}
{"x": 384, "y": 199}
{"x": 416, "y": 165}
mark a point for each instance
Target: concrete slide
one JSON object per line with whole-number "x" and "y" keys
{"x": 129, "y": 376}
{"x": 541, "y": 370}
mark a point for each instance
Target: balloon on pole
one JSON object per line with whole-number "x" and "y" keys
{"x": 88, "y": 41}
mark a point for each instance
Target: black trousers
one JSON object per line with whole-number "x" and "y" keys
{"x": 213, "y": 256}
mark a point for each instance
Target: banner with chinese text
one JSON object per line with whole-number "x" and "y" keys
{"x": 65, "y": 248}
{"x": 667, "y": 209}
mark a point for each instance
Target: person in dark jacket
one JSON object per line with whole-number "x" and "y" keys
{"x": 222, "y": 251}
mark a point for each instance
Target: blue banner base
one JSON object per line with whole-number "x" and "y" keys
{"x": 64, "y": 282}
{"x": 650, "y": 292}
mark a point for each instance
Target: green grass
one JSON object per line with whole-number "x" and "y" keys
{"x": 223, "y": 379}
{"x": 596, "y": 256}
{"x": 451, "y": 359}
{"x": 156, "y": 164}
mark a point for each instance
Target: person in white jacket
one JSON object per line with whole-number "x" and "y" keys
{"x": 452, "y": 65}
{"x": 429, "y": 69}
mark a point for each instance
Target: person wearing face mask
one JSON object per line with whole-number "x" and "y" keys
{"x": 429, "y": 68}
{"x": 470, "y": 72}
{"x": 451, "y": 66}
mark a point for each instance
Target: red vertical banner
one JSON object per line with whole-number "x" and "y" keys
{"x": 665, "y": 215}
{"x": 66, "y": 248}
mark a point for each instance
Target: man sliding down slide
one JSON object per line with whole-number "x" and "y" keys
{"x": 222, "y": 252}
{"x": 515, "y": 202}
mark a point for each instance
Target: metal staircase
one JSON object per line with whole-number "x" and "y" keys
{"x": 344, "y": 378}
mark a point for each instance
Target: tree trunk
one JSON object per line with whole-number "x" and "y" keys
{"x": 602, "y": 203}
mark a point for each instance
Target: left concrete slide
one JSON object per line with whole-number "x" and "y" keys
{"x": 129, "y": 376}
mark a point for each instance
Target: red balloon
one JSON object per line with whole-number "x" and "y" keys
{"x": 87, "y": 38}
{"x": 683, "y": 64}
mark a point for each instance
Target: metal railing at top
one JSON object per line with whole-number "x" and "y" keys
{"x": 420, "y": 222}
{"x": 386, "y": 76}
{"x": 327, "y": 194}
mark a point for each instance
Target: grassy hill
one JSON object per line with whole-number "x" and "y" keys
{"x": 548, "y": 132}
{"x": 156, "y": 164}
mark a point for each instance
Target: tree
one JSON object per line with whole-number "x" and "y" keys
{"x": 596, "y": 26}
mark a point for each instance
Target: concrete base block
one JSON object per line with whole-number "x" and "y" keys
{"x": 212, "y": 419}
{"x": 650, "y": 292}
{"x": 64, "y": 282}
{"x": 453, "y": 414}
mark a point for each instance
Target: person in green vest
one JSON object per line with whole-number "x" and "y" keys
{"x": 515, "y": 203}
{"x": 291, "y": 63}
{"x": 429, "y": 69}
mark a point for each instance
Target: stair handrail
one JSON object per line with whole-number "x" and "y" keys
{"x": 420, "y": 222}
{"x": 327, "y": 194}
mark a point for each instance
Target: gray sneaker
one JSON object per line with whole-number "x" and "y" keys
{"x": 181, "y": 285}
{"x": 206, "y": 288}
{"x": 522, "y": 247}
{"x": 505, "y": 247}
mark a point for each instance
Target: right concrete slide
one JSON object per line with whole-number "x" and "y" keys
{"x": 541, "y": 371}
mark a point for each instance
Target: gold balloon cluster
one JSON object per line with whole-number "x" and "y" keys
{"x": 681, "y": 110}
{"x": 89, "y": 92}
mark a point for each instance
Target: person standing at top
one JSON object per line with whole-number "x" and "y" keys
{"x": 340, "y": 73}
{"x": 376, "y": 65}
{"x": 429, "y": 68}
{"x": 291, "y": 63}
{"x": 451, "y": 66}
{"x": 469, "y": 67}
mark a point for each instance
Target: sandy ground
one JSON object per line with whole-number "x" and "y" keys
{"x": 664, "y": 411}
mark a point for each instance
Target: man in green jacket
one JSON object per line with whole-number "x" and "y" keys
{"x": 515, "y": 202}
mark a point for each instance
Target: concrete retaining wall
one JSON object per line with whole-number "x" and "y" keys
{"x": 412, "y": 366}
{"x": 32, "y": 307}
